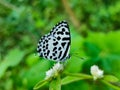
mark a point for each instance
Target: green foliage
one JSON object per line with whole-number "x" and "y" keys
{"x": 97, "y": 41}
{"x": 110, "y": 78}
{"x": 13, "y": 58}
{"x": 69, "y": 79}
{"x": 103, "y": 50}
{"x": 56, "y": 83}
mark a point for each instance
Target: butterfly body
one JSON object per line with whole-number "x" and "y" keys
{"x": 56, "y": 44}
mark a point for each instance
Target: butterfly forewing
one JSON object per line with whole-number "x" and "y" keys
{"x": 56, "y": 44}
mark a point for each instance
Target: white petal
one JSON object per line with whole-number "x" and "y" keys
{"x": 54, "y": 71}
{"x": 96, "y": 72}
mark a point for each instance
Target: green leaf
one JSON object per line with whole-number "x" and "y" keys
{"x": 12, "y": 59}
{"x": 40, "y": 84}
{"x": 111, "y": 85}
{"x": 70, "y": 79}
{"x": 110, "y": 78}
{"x": 36, "y": 73}
{"x": 55, "y": 84}
{"x": 32, "y": 59}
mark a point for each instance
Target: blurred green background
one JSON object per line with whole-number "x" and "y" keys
{"x": 95, "y": 34}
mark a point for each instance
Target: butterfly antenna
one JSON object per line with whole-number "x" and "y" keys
{"x": 77, "y": 55}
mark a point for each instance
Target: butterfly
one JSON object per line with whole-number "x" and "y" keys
{"x": 56, "y": 44}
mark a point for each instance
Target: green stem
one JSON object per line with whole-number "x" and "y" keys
{"x": 8, "y": 5}
{"x": 109, "y": 84}
{"x": 59, "y": 80}
{"x": 55, "y": 83}
{"x": 79, "y": 75}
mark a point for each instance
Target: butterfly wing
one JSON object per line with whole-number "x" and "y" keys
{"x": 56, "y": 44}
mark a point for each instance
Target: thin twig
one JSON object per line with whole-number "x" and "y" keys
{"x": 70, "y": 12}
{"x": 8, "y": 5}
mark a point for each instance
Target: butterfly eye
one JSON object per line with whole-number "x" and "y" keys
{"x": 56, "y": 44}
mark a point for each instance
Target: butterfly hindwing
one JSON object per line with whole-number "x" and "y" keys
{"x": 56, "y": 44}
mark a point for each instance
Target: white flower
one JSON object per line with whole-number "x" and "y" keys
{"x": 58, "y": 67}
{"x": 96, "y": 72}
{"x": 49, "y": 74}
{"x": 54, "y": 71}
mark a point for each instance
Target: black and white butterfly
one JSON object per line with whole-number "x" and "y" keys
{"x": 56, "y": 44}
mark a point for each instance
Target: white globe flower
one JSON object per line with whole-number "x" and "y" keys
{"x": 96, "y": 72}
{"x": 54, "y": 71}
{"x": 58, "y": 67}
{"x": 49, "y": 74}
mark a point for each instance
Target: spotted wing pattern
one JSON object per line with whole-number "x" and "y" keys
{"x": 56, "y": 44}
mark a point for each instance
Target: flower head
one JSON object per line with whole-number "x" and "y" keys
{"x": 58, "y": 67}
{"x": 54, "y": 70}
{"x": 96, "y": 72}
{"x": 49, "y": 73}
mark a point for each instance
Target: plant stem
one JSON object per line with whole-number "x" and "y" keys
{"x": 8, "y": 5}
{"x": 59, "y": 80}
{"x": 79, "y": 75}
{"x": 55, "y": 83}
{"x": 72, "y": 15}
